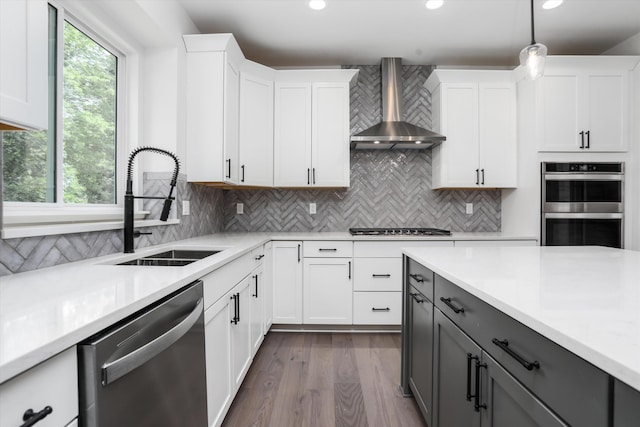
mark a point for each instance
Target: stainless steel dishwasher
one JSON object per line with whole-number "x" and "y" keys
{"x": 148, "y": 370}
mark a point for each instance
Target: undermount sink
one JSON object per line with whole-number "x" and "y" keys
{"x": 172, "y": 258}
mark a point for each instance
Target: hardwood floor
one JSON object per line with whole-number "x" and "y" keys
{"x": 324, "y": 380}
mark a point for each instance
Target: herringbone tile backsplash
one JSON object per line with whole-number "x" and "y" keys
{"x": 388, "y": 188}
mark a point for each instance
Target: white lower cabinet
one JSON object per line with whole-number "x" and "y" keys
{"x": 287, "y": 282}
{"x": 256, "y": 285}
{"x": 241, "y": 354}
{"x": 328, "y": 293}
{"x": 53, "y": 383}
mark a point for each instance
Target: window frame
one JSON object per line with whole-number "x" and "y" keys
{"x": 21, "y": 219}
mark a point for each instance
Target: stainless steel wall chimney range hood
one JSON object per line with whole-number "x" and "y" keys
{"x": 393, "y": 132}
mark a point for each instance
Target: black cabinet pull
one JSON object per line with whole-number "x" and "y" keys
{"x": 476, "y": 403}
{"x": 455, "y": 309}
{"x": 31, "y": 417}
{"x": 380, "y": 275}
{"x": 482, "y": 171}
{"x": 380, "y": 309}
{"x": 234, "y": 319}
{"x": 504, "y": 345}
{"x": 581, "y": 140}
{"x": 314, "y": 176}
{"x": 238, "y": 302}
{"x": 470, "y": 357}
{"x": 477, "y": 176}
{"x": 416, "y": 299}
{"x": 298, "y": 253}
{"x": 588, "y": 133}
{"x": 349, "y": 270}
{"x": 242, "y": 169}
{"x": 327, "y": 250}
{"x": 259, "y": 257}
{"x": 418, "y": 278}
{"x": 229, "y": 168}
{"x": 256, "y": 279}
{"x": 308, "y": 176}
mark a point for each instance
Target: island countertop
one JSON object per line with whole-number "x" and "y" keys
{"x": 586, "y": 299}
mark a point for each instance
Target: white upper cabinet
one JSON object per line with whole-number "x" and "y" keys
{"x": 24, "y": 64}
{"x": 583, "y": 104}
{"x": 256, "y": 125}
{"x": 213, "y": 95}
{"x": 476, "y": 111}
{"x": 311, "y": 128}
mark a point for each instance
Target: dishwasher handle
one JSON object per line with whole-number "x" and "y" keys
{"x": 111, "y": 371}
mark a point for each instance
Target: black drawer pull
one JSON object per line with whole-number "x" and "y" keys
{"x": 33, "y": 417}
{"x": 328, "y": 250}
{"x": 418, "y": 278}
{"x": 455, "y": 309}
{"x": 380, "y": 309}
{"x": 416, "y": 299}
{"x": 380, "y": 275}
{"x": 259, "y": 257}
{"x": 504, "y": 345}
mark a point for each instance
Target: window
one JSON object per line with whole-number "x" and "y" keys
{"x": 73, "y": 164}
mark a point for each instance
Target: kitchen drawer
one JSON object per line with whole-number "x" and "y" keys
{"x": 220, "y": 281}
{"x": 377, "y": 308}
{"x": 420, "y": 277}
{"x": 52, "y": 383}
{"x": 576, "y": 390}
{"x": 377, "y": 274}
{"x": 327, "y": 249}
{"x": 392, "y": 249}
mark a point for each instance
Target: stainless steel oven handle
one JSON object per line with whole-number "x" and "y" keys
{"x": 583, "y": 177}
{"x": 574, "y": 215}
{"x": 111, "y": 371}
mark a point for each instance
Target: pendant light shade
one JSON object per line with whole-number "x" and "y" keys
{"x": 532, "y": 57}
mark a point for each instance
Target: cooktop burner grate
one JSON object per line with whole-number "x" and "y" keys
{"x": 413, "y": 231}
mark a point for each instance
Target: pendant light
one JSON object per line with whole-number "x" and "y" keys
{"x": 532, "y": 57}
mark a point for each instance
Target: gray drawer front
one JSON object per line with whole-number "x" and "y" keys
{"x": 626, "y": 412}
{"x": 421, "y": 278}
{"x": 575, "y": 389}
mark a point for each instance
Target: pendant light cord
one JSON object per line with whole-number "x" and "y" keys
{"x": 533, "y": 37}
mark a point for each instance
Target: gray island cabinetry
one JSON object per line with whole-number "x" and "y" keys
{"x": 478, "y": 366}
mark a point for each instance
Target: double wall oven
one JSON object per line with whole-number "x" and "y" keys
{"x": 582, "y": 204}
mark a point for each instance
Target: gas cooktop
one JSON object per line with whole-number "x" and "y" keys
{"x": 413, "y": 231}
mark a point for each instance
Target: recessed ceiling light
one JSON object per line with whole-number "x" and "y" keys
{"x": 317, "y": 4}
{"x": 551, "y": 4}
{"x": 434, "y": 4}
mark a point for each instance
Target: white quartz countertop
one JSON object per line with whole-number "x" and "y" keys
{"x": 586, "y": 299}
{"x": 44, "y": 312}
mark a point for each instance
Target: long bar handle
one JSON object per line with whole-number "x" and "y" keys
{"x": 418, "y": 278}
{"x": 30, "y": 417}
{"x": 229, "y": 168}
{"x": 380, "y": 309}
{"x": 327, "y": 250}
{"x": 349, "y": 270}
{"x": 470, "y": 357}
{"x": 581, "y": 139}
{"x": 256, "y": 279}
{"x": 242, "y": 168}
{"x": 415, "y": 298}
{"x": 476, "y": 403}
{"x": 455, "y": 309}
{"x": 381, "y": 275}
{"x": 477, "y": 176}
{"x": 504, "y": 345}
{"x": 588, "y": 133}
{"x": 111, "y": 371}
{"x": 298, "y": 252}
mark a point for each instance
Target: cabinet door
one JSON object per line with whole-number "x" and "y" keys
{"x": 231, "y": 114}
{"x": 626, "y": 405}
{"x": 292, "y": 135}
{"x": 454, "y": 380}
{"x": 256, "y": 131}
{"x": 330, "y": 135}
{"x": 257, "y": 308}
{"x": 421, "y": 360}
{"x": 241, "y": 332}
{"x": 508, "y": 403}
{"x": 217, "y": 334}
{"x": 287, "y": 282}
{"x": 23, "y": 68}
{"x": 498, "y": 139}
{"x": 328, "y": 293}
{"x": 605, "y": 110}
{"x": 558, "y": 106}
{"x": 459, "y": 117}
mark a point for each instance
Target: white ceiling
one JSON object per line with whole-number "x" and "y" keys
{"x": 462, "y": 32}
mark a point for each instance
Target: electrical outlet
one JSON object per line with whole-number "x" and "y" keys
{"x": 312, "y": 208}
{"x": 240, "y": 208}
{"x": 469, "y": 208}
{"x": 186, "y": 207}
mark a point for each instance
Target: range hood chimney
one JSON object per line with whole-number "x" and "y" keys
{"x": 393, "y": 132}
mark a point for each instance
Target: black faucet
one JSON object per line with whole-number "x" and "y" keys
{"x": 129, "y": 233}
